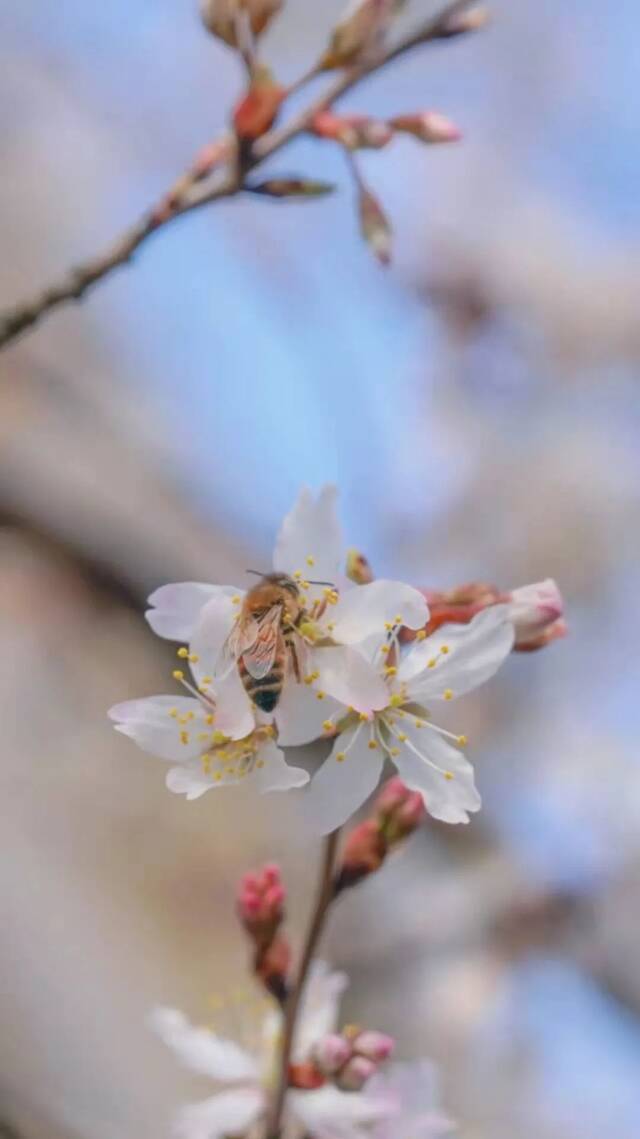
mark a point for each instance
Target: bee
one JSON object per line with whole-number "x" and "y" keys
{"x": 265, "y": 640}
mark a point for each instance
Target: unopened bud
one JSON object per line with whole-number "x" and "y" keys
{"x": 374, "y": 225}
{"x": 220, "y": 16}
{"x": 331, "y": 1053}
{"x": 358, "y": 568}
{"x": 272, "y": 964}
{"x": 360, "y": 32}
{"x": 400, "y": 811}
{"x": 376, "y": 1046}
{"x": 260, "y": 903}
{"x": 364, "y": 852}
{"x": 473, "y": 20}
{"x": 355, "y": 1074}
{"x": 537, "y": 614}
{"x": 257, "y": 110}
{"x": 427, "y": 126}
{"x": 353, "y": 131}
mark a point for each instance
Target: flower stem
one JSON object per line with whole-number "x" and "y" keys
{"x": 323, "y": 901}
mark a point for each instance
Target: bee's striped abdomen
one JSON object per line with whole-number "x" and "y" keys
{"x": 266, "y": 691}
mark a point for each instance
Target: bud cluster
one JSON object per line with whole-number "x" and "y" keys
{"x": 350, "y": 1058}
{"x": 537, "y": 610}
{"x": 397, "y": 813}
{"x": 260, "y": 907}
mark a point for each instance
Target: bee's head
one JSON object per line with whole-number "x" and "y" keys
{"x": 281, "y": 580}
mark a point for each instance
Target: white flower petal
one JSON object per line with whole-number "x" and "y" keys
{"x": 271, "y": 773}
{"x": 149, "y": 724}
{"x": 412, "y": 1092}
{"x": 475, "y": 653}
{"x": 340, "y": 787}
{"x": 319, "y": 1009}
{"x": 365, "y": 609}
{"x": 202, "y": 1051}
{"x": 424, "y": 763}
{"x": 311, "y": 530}
{"x": 300, "y": 715}
{"x": 190, "y": 780}
{"x": 209, "y": 636}
{"x": 176, "y": 607}
{"x": 329, "y": 1113}
{"x": 348, "y": 677}
{"x": 228, "y": 1113}
{"x": 235, "y": 715}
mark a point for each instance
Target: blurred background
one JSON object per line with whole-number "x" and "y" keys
{"x": 477, "y": 404}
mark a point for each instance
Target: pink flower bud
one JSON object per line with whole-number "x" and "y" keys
{"x": 271, "y": 874}
{"x": 331, "y": 1053}
{"x": 412, "y": 813}
{"x": 428, "y": 126}
{"x": 355, "y": 1073}
{"x": 393, "y": 795}
{"x": 534, "y": 608}
{"x": 376, "y": 1046}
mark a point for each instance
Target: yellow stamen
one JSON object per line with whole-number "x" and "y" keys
{"x": 463, "y": 741}
{"x": 421, "y": 635}
{"x": 372, "y": 745}
{"x": 184, "y": 737}
{"x": 310, "y": 560}
{"x": 183, "y": 653}
{"x": 448, "y": 694}
{"x": 433, "y": 662}
{"x": 177, "y": 674}
{"x": 236, "y": 599}
{"x": 444, "y": 649}
{"x": 402, "y": 737}
{"x": 341, "y": 756}
{"x": 327, "y": 726}
{"x": 320, "y": 695}
{"x": 449, "y": 775}
{"x": 390, "y": 670}
{"x": 396, "y": 700}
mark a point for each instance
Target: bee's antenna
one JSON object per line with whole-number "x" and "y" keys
{"x": 256, "y": 573}
{"x": 330, "y": 583}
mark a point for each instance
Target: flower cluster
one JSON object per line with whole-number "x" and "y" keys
{"x": 338, "y": 1084}
{"x": 313, "y": 653}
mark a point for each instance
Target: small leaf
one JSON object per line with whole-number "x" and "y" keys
{"x": 374, "y": 225}
{"x": 292, "y": 188}
{"x": 219, "y": 16}
{"x": 360, "y": 31}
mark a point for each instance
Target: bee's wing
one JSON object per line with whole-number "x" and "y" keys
{"x": 259, "y": 656}
{"x": 243, "y": 635}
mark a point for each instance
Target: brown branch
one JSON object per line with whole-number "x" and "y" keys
{"x": 188, "y": 193}
{"x": 323, "y": 901}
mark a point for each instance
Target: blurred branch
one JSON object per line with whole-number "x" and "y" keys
{"x": 195, "y": 189}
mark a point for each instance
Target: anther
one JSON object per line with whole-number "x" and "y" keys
{"x": 398, "y": 619}
{"x": 177, "y": 674}
{"x": 444, "y": 649}
{"x": 448, "y": 694}
{"x": 396, "y": 700}
{"x": 433, "y": 662}
{"x": 421, "y": 635}
{"x": 463, "y": 741}
{"x": 184, "y": 737}
{"x": 320, "y": 695}
{"x": 341, "y": 756}
{"x": 193, "y": 658}
{"x": 183, "y": 653}
{"x": 327, "y": 726}
{"x": 449, "y": 776}
{"x": 310, "y": 560}
{"x": 236, "y": 599}
{"x": 402, "y": 737}
{"x": 260, "y": 763}
{"x": 372, "y": 745}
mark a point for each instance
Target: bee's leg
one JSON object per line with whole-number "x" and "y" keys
{"x": 292, "y": 642}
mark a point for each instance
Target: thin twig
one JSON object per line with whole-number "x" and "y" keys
{"x": 323, "y": 901}
{"x": 195, "y": 188}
